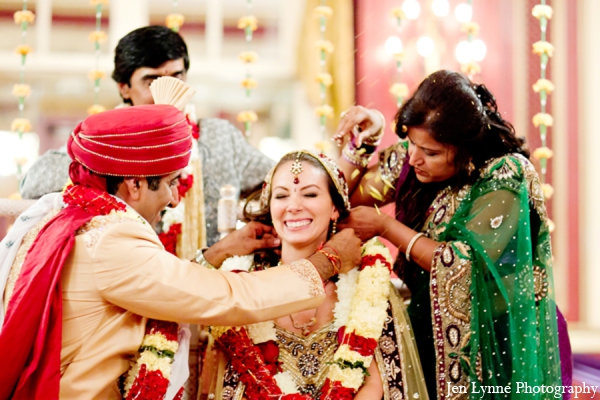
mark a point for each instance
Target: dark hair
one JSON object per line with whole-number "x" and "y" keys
{"x": 149, "y": 46}
{"x": 457, "y": 113}
{"x": 264, "y": 216}
{"x": 113, "y": 182}
{"x": 461, "y": 114}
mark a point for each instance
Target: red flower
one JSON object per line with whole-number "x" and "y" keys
{"x": 248, "y": 361}
{"x": 340, "y": 334}
{"x": 185, "y": 184}
{"x": 362, "y": 345}
{"x": 149, "y": 385}
{"x": 169, "y": 238}
{"x": 194, "y": 127}
{"x": 335, "y": 390}
{"x": 370, "y": 259}
{"x": 270, "y": 351}
{"x": 167, "y": 328}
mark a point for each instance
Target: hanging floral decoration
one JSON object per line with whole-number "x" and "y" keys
{"x": 542, "y": 120}
{"x": 324, "y": 79}
{"x": 360, "y": 314}
{"x": 96, "y": 75}
{"x": 470, "y": 67}
{"x": 248, "y": 24}
{"x": 21, "y": 90}
{"x": 399, "y": 89}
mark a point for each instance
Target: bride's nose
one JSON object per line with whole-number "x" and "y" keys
{"x": 295, "y": 203}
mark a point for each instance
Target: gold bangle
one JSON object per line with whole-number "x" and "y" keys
{"x": 199, "y": 258}
{"x": 412, "y": 243}
{"x": 356, "y": 156}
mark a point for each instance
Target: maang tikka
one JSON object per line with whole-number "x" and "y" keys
{"x": 296, "y": 168}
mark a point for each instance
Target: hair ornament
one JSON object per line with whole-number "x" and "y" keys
{"x": 334, "y": 172}
{"x": 404, "y": 128}
{"x": 296, "y": 168}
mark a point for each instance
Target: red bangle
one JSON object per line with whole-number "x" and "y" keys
{"x": 334, "y": 259}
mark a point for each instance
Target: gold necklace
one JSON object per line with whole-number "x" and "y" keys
{"x": 304, "y": 327}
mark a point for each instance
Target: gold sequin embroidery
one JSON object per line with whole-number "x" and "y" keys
{"x": 306, "y": 271}
{"x": 92, "y": 230}
{"x": 307, "y": 358}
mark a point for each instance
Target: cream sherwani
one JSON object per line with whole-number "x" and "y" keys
{"x": 118, "y": 275}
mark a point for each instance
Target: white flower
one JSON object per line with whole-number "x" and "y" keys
{"x": 286, "y": 383}
{"x": 156, "y": 363}
{"x": 346, "y": 287}
{"x": 173, "y": 216}
{"x": 349, "y": 377}
{"x": 262, "y": 332}
{"x": 160, "y": 342}
{"x": 238, "y": 263}
{"x": 345, "y": 353}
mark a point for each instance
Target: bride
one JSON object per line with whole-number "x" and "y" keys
{"x": 356, "y": 344}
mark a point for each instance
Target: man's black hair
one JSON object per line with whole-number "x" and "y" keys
{"x": 113, "y": 182}
{"x": 149, "y": 46}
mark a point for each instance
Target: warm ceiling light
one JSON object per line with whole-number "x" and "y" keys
{"x": 440, "y": 8}
{"x": 463, "y": 13}
{"x": 393, "y": 45}
{"x": 425, "y": 46}
{"x": 411, "y": 9}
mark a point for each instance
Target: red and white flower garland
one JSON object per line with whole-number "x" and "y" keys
{"x": 148, "y": 377}
{"x": 361, "y": 330}
{"x": 360, "y": 314}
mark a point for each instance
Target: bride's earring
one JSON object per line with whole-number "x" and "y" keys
{"x": 333, "y": 227}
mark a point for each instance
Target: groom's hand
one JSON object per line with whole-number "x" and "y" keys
{"x": 252, "y": 237}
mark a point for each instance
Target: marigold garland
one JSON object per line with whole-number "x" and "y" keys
{"x": 248, "y": 23}
{"x": 96, "y": 75}
{"x": 21, "y": 125}
{"x": 544, "y": 87}
{"x": 324, "y": 111}
{"x": 399, "y": 90}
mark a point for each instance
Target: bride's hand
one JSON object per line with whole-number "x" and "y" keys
{"x": 361, "y": 123}
{"x": 367, "y": 222}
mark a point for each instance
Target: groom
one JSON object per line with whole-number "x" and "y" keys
{"x": 96, "y": 271}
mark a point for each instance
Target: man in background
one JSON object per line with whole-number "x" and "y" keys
{"x": 227, "y": 158}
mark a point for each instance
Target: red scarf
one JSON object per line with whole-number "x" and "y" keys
{"x": 31, "y": 338}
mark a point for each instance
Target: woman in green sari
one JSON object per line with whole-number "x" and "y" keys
{"x": 472, "y": 233}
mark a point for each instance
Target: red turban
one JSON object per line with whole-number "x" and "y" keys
{"x": 149, "y": 140}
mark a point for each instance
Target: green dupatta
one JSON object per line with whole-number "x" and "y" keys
{"x": 491, "y": 290}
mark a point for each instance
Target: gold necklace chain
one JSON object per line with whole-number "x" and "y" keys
{"x": 304, "y": 327}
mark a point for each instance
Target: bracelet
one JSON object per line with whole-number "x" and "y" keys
{"x": 375, "y": 140}
{"x": 199, "y": 258}
{"x": 412, "y": 243}
{"x": 334, "y": 259}
{"x": 359, "y": 156}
